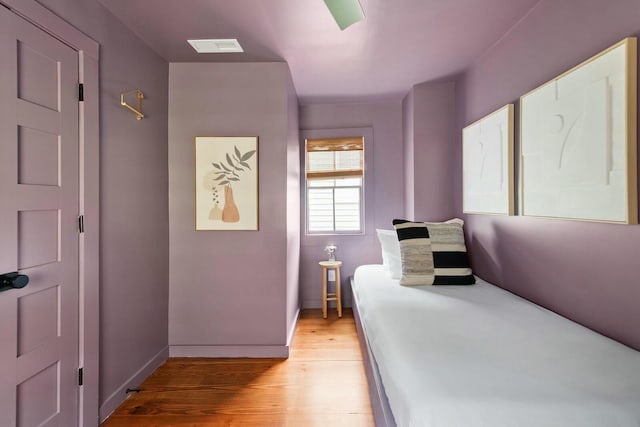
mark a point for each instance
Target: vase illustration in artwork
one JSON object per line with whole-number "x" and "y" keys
{"x": 215, "y": 214}
{"x": 230, "y": 211}
{"x": 228, "y": 170}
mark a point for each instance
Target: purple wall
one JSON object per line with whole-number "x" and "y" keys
{"x": 584, "y": 271}
{"x": 293, "y": 210}
{"x": 429, "y": 122}
{"x": 134, "y": 241}
{"x": 408, "y": 124}
{"x": 228, "y": 289}
{"x": 384, "y": 188}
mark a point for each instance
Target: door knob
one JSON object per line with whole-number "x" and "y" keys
{"x": 13, "y": 281}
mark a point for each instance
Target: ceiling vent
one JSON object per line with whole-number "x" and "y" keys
{"x": 216, "y": 45}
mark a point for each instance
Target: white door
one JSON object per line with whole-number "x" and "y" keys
{"x": 38, "y": 226}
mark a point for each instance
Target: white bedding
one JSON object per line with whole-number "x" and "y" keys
{"x": 480, "y": 356}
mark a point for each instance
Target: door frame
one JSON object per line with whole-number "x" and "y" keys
{"x": 89, "y": 197}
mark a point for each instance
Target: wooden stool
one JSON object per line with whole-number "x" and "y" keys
{"x": 332, "y": 296}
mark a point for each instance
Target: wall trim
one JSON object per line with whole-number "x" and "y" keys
{"x": 116, "y": 398}
{"x": 42, "y": 17}
{"x": 369, "y": 196}
{"x": 253, "y": 351}
{"x": 292, "y": 332}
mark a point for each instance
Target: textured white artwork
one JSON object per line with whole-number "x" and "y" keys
{"x": 576, "y": 141}
{"x": 487, "y": 164}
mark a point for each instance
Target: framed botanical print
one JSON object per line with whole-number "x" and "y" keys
{"x": 226, "y": 182}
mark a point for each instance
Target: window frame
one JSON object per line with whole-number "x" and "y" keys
{"x": 334, "y": 175}
{"x": 360, "y": 188}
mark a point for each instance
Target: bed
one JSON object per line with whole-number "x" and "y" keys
{"x": 480, "y": 356}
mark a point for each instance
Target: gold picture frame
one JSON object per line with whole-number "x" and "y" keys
{"x": 487, "y": 164}
{"x": 578, "y": 141}
{"x": 226, "y": 182}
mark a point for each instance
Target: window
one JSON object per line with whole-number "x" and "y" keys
{"x": 335, "y": 178}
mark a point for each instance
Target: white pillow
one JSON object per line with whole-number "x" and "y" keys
{"x": 390, "y": 252}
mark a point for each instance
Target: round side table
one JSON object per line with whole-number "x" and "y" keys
{"x": 331, "y": 296}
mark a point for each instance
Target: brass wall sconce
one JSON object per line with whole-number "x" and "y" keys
{"x": 139, "y": 96}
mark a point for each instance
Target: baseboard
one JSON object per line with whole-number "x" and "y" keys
{"x": 119, "y": 396}
{"x": 292, "y": 332}
{"x": 256, "y": 351}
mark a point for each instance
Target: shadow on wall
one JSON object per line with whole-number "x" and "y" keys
{"x": 483, "y": 264}
{"x": 540, "y": 260}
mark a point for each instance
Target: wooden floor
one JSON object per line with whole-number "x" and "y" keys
{"x": 321, "y": 384}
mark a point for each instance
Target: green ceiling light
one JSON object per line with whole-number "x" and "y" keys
{"x": 345, "y": 12}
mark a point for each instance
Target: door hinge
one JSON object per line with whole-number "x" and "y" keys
{"x": 81, "y": 376}
{"x": 81, "y": 223}
{"x": 81, "y": 92}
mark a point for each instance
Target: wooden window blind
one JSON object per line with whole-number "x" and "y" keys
{"x": 335, "y": 158}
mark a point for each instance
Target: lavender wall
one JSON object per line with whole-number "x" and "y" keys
{"x": 429, "y": 122}
{"x": 585, "y": 271}
{"x": 408, "y": 123}
{"x": 134, "y": 240}
{"x": 228, "y": 289}
{"x": 384, "y": 202}
{"x": 293, "y": 209}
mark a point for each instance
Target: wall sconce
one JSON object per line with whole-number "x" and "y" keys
{"x": 139, "y": 97}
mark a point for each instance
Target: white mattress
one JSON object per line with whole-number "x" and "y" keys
{"x": 480, "y": 356}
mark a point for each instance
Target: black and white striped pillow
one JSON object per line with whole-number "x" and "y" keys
{"x": 433, "y": 253}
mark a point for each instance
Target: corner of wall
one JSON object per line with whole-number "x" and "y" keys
{"x": 293, "y": 208}
{"x": 119, "y": 395}
{"x": 226, "y": 306}
{"x": 408, "y": 156}
{"x": 429, "y": 125}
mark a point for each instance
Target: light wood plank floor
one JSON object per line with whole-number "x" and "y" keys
{"x": 321, "y": 384}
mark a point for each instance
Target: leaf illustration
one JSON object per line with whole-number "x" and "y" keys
{"x": 245, "y": 164}
{"x": 237, "y": 152}
{"x": 225, "y": 168}
{"x": 220, "y": 177}
{"x": 234, "y": 179}
{"x": 246, "y": 156}
{"x": 229, "y": 160}
{"x": 224, "y": 182}
{"x": 215, "y": 165}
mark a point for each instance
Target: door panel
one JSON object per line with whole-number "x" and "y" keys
{"x": 38, "y": 238}
{"x": 38, "y": 157}
{"x": 38, "y": 319}
{"x": 42, "y": 385}
{"x": 38, "y": 226}
{"x": 37, "y": 79}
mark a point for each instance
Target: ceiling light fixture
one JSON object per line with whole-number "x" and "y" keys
{"x": 216, "y": 45}
{"x": 345, "y": 12}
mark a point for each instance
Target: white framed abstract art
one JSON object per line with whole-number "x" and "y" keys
{"x": 226, "y": 182}
{"x": 487, "y": 164}
{"x": 578, "y": 141}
